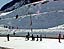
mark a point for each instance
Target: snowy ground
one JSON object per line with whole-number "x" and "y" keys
{"x": 20, "y": 43}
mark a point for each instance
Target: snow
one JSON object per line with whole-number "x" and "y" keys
{"x": 3, "y": 14}
{"x": 44, "y": 16}
{"x": 25, "y": 9}
{"x": 20, "y": 43}
{"x": 38, "y": 21}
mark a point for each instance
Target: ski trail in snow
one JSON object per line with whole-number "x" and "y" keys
{"x": 33, "y": 14}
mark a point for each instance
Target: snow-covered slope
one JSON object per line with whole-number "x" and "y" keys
{"x": 43, "y": 15}
{"x": 14, "y": 4}
{"x": 47, "y": 19}
{"x": 33, "y": 9}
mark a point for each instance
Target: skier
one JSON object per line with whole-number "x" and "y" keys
{"x": 8, "y": 37}
{"x": 16, "y": 16}
{"x": 27, "y": 37}
{"x": 14, "y": 33}
{"x": 59, "y": 38}
{"x": 40, "y": 37}
{"x": 37, "y": 38}
{"x": 33, "y": 38}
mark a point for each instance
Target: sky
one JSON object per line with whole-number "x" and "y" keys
{"x": 3, "y": 2}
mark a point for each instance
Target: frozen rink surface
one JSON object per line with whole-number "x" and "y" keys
{"x": 20, "y": 43}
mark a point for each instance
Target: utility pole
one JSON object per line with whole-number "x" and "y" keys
{"x": 30, "y": 21}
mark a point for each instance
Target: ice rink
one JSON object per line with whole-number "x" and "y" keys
{"x": 20, "y": 43}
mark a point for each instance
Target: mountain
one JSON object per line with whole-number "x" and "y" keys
{"x": 43, "y": 15}
{"x": 16, "y": 4}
